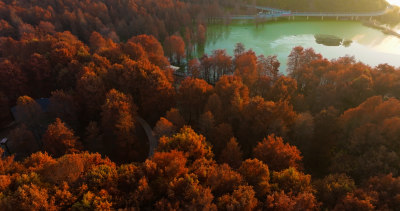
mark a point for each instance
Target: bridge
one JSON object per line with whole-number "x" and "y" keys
{"x": 273, "y": 13}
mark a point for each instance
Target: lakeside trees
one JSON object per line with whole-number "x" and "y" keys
{"x": 236, "y": 134}
{"x": 220, "y": 134}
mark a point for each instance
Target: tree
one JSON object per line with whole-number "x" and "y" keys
{"x": 283, "y": 89}
{"x": 242, "y": 198}
{"x": 135, "y": 51}
{"x": 371, "y": 127}
{"x": 246, "y": 67}
{"x": 333, "y": 188}
{"x": 201, "y": 34}
{"x": 356, "y": 201}
{"x": 118, "y": 124}
{"x": 91, "y": 91}
{"x": 97, "y": 42}
{"x": 175, "y": 117}
{"x": 23, "y": 142}
{"x": 192, "y": 96}
{"x": 259, "y": 118}
{"x": 220, "y": 137}
{"x": 385, "y": 189}
{"x": 214, "y": 105}
{"x": 186, "y": 193}
{"x": 294, "y": 59}
{"x": 222, "y": 64}
{"x": 299, "y": 57}
{"x": 163, "y": 168}
{"x": 40, "y": 73}
{"x": 193, "y": 145}
{"x": 164, "y": 128}
{"x": 29, "y": 112}
{"x": 153, "y": 48}
{"x": 268, "y": 66}
{"x": 30, "y": 197}
{"x": 194, "y": 68}
{"x": 292, "y": 181}
{"x": 59, "y": 139}
{"x": 234, "y": 96}
{"x": 93, "y": 137}
{"x": 286, "y": 201}
{"x": 92, "y": 201}
{"x": 232, "y": 155}
{"x": 223, "y": 180}
{"x": 62, "y": 105}
{"x": 12, "y": 80}
{"x": 256, "y": 173}
{"x": 102, "y": 177}
{"x": 277, "y": 154}
{"x": 303, "y": 132}
{"x": 5, "y": 114}
{"x": 239, "y": 49}
{"x": 66, "y": 169}
{"x": 174, "y": 48}
{"x": 152, "y": 90}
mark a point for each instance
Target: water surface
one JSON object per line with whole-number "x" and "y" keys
{"x": 394, "y": 2}
{"x": 368, "y": 45}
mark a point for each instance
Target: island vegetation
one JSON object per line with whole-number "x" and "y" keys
{"x": 78, "y": 77}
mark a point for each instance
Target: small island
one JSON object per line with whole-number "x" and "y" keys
{"x": 331, "y": 40}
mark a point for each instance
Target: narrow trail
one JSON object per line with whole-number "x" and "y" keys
{"x": 150, "y": 136}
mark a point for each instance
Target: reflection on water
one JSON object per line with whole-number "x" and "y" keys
{"x": 368, "y": 45}
{"x": 394, "y": 2}
{"x": 330, "y": 40}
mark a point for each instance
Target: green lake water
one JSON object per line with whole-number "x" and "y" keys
{"x": 368, "y": 45}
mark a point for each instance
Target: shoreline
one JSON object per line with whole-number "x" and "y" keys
{"x": 383, "y": 29}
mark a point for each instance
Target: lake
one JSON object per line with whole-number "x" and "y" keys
{"x": 368, "y": 45}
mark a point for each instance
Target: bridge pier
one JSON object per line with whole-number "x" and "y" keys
{"x": 307, "y": 17}
{"x": 370, "y": 18}
{"x": 352, "y": 18}
{"x": 337, "y": 18}
{"x": 322, "y": 17}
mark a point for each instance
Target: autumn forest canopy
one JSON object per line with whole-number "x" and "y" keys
{"x": 83, "y": 82}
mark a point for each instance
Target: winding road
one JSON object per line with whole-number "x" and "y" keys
{"x": 150, "y": 136}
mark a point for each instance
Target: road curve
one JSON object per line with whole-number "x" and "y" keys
{"x": 150, "y": 136}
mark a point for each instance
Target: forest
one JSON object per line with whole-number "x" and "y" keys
{"x": 78, "y": 79}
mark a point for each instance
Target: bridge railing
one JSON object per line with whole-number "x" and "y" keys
{"x": 341, "y": 13}
{"x": 279, "y": 11}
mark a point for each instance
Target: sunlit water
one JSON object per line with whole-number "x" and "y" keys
{"x": 394, "y": 2}
{"x": 369, "y": 45}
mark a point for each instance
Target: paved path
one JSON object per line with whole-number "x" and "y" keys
{"x": 150, "y": 136}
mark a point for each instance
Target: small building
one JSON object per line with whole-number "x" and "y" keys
{"x": 3, "y": 144}
{"x": 174, "y": 68}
